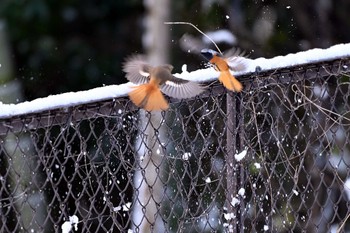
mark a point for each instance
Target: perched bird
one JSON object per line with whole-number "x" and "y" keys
{"x": 153, "y": 80}
{"x": 235, "y": 62}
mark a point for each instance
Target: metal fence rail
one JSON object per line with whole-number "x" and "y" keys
{"x": 274, "y": 158}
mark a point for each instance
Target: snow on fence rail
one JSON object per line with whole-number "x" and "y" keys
{"x": 274, "y": 158}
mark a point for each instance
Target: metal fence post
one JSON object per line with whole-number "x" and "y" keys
{"x": 231, "y": 173}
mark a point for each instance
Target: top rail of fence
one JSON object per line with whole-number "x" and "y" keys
{"x": 112, "y": 99}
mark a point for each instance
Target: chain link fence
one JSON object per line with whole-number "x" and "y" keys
{"x": 273, "y": 158}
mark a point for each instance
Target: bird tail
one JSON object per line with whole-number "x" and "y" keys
{"x": 148, "y": 97}
{"x": 229, "y": 81}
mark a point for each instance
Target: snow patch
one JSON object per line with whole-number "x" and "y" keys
{"x": 65, "y": 100}
{"x": 117, "y": 208}
{"x": 125, "y": 207}
{"x": 234, "y": 201}
{"x": 220, "y": 36}
{"x": 266, "y": 227}
{"x": 241, "y": 192}
{"x": 67, "y": 225}
{"x": 257, "y": 165}
{"x": 264, "y": 64}
{"x": 186, "y": 156}
{"x": 240, "y": 155}
{"x": 229, "y": 216}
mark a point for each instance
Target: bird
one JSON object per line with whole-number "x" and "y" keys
{"x": 152, "y": 81}
{"x": 235, "y": 62}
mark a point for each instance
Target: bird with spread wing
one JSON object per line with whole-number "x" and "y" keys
{"x": 152, "y": 81}
{"x": 234, "y": 61}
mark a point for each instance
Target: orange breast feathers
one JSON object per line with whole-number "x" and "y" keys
{"x": 149, "y": 97}
{"x": 225, "y": 77}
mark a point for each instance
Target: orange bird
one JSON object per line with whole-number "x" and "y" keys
{"x": 223, "y": 65}
{"x": 153, "y": 80}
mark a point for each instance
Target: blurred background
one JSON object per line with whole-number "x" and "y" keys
{"x": 51, "y": 47}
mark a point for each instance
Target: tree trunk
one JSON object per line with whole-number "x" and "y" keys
{"x": 149, "y": 187}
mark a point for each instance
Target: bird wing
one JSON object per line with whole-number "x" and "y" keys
{"x": 236, "y": 59}
{"x": 237, "y": 63}
{"x": 180, "y": 88}
{"x": 137, "y": 69}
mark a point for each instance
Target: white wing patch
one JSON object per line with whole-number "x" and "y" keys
{"x": 173, "y": 84}
{"x": 237, "y": 63}
{"x": 181, "y": 90}
{"x": 144, "y": 73}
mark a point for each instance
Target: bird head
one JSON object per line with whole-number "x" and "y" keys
{"x": 209, "y": 53}
{"x": 168, "y": 67}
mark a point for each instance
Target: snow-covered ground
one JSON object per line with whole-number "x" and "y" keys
{"x": 201, "y": 75}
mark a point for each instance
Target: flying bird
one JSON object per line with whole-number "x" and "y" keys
{"x": 235, "y": 62}
{"x": 152, "y": 81}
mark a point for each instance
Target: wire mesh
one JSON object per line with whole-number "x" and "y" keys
{"x": 273, "y": 158}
